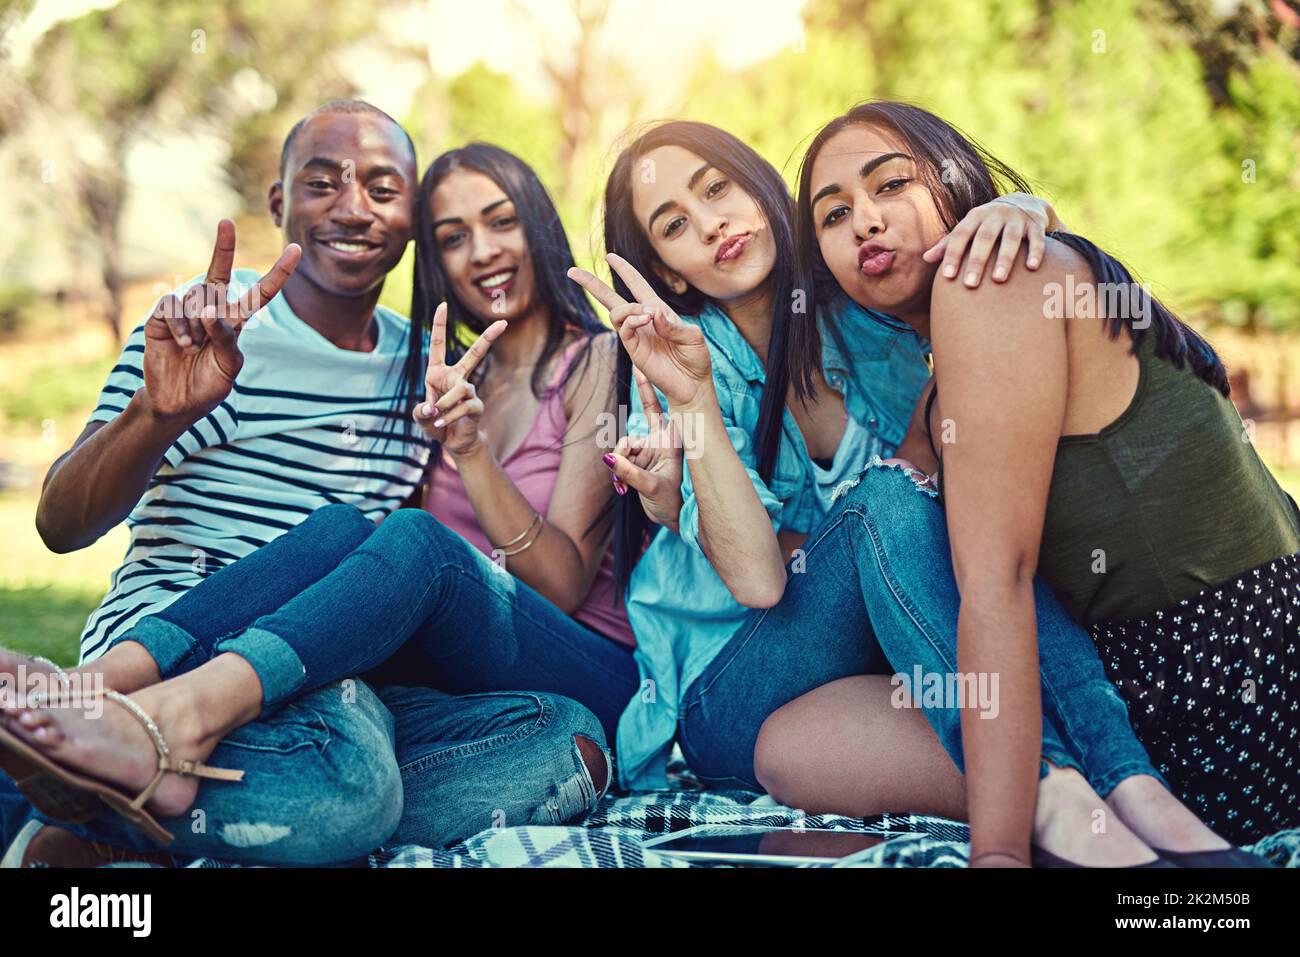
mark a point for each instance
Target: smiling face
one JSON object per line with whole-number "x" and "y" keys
{"x": 482, "y": 246}
{"x": 705, "y": 229}
{"x": 874, "y": 216}
{"x": 348, "y": 199}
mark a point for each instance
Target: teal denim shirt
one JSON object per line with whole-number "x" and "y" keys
{"x": 680, "y": 611}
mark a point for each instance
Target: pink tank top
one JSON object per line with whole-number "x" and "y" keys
{"x": 533, "y": 468}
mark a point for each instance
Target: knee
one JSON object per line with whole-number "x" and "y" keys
{"x": 773, "y": 751}
{"x": 417, "y": 528}
{"x": 578, "y": 731}
{"x": 344, "y": 520}
{"x": 358, "y": 804}
{"x": 596, "y": 762}
{"x": 894, "y": 479}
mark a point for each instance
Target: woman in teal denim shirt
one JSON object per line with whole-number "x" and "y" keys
{"x": 703, "y": 181}
{"x": 674, "y": 647}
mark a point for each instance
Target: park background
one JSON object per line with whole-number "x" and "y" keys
{"x": 1168, "y": 132}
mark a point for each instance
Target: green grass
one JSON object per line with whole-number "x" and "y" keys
{"x": 52, "y": 391}
{"x": 45, "y": 598}
{"x": 45, "y": 620}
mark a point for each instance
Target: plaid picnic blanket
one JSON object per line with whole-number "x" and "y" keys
{"x": 612, "y": 835}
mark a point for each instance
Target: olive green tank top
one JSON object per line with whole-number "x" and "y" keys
{"x": 1167, "y": 500}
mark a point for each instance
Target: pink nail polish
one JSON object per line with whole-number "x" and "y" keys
{"x": 619, "y": 487}
{"x": 608, "y": 459}
{"x": 434, "y": 410}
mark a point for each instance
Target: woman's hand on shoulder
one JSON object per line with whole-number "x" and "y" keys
{"x": 1035, "y": 296}
{"x": 1014, "y": 219}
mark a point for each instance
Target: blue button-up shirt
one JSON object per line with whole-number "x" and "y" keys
{"x": 679, "y": 608}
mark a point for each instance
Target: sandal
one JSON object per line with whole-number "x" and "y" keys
{"x": 65, "y": 795}
{"x": 42, "y": 790}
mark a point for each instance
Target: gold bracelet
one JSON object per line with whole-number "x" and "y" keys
{"x": 528, "y": 544}
{"x": 537, "y": 517}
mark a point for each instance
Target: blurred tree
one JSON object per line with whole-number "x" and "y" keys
{"x": 1188, "y": 172}
{"x": 122, "y": 71}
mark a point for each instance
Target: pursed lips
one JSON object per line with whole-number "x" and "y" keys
{"x": 732, "y": 247}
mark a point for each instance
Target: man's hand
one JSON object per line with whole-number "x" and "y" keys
{"x": 191, "y": 351}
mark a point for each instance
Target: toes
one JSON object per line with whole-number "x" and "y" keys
{"x": 34, "y": 719}
{"x": 47, "y": 734}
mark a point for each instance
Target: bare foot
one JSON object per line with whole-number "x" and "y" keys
{"x": 103, "y": 740}
{"x": 1074, "y": 823}
{"x": 1159, "y": 818}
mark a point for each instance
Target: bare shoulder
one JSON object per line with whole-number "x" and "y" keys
{"x": 593, "y": 372}
{"x": 1023, "y": 300}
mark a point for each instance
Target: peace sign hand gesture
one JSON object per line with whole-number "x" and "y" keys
{"x": 672, "y": 354}
{"x": 451, "y": 410}
{"x": 191, "y": 351}
{"x": 651, "y": 464}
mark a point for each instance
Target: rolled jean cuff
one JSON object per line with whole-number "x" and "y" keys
{"x": 1059, "y": 757}
{"x": 1103, "y": 784}
{"x": 172, "y": 648}
{"x": 278, "y": 666}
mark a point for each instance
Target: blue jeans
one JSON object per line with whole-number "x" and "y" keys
{"x": 876, "y": 594}
{"x": 418, "y": 593}
{"x": 332, "y": 769}
{"x": 344, "y": 770}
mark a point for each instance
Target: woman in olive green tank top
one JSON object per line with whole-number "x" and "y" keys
{"x": 1086, "y": 434}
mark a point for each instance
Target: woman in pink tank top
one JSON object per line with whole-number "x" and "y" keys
{"x": 506, "y": 575}
{"x": 543, "y": 388}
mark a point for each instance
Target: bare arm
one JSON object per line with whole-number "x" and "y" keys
{"x": 562, "y": 563}
{"x": 95, "y": 484}
{"x": 1007, "y": 415}
{"x": 735, "y": 529}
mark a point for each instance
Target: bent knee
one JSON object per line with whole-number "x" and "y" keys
{"x": 775, "y": 755}
{"x": 357, "y": 801}
{"x": 576, "y": 736}
{"x": 347, "y": 521}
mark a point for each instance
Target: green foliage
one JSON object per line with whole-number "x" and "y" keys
{"x": 1101, "y": 104}
{"x": 52, "y": 391}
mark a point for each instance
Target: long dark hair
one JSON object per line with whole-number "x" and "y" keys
{"x": 790, "y": 326}
{"x": 962, "y": 174}
{"x": 548, "y": 246}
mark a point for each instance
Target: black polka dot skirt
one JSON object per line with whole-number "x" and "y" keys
{"x": 1213, "y": 690}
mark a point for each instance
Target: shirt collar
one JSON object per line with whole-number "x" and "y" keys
{"x": 726, "y": 339}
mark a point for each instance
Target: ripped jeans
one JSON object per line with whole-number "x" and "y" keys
{"x": 332, "y": 769}
{"x": 874, "y": 593}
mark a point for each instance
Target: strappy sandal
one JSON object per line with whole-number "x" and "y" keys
{"x": 35, "y": 773}
{"x": 59, "y": 801}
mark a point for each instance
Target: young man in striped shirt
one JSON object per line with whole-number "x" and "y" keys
{"x": 240, "y": 406}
